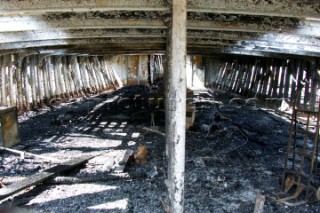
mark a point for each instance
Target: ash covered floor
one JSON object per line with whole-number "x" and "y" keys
{"x": 234, "y": 152}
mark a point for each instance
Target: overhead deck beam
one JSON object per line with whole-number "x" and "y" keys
{"x": 157, "y": 20}
{"x": 42, "y": 35}
{"x": 147, "y": 43}
{"x": 280, "y": 8}
{"x": 58, "y": 5}
{"x": 41, "y": 23}
{"x": 286, "y": 26}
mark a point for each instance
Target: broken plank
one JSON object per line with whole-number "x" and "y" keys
{"x": 154, "y": 131}
{"x": 88, "y": 179}
{"x": 122, "y": 163}
{"x": 23, "y": 153}
{"x": 42, "y": 176}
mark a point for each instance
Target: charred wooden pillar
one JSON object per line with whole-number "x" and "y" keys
{"x": 176, "y": 105}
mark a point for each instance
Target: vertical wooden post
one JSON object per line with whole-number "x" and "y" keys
{"x": 282, "y": 78}
{"x": 233, "y": 76}
{"x": 151, "y": 67}
{"x": 27, "y": 81}
{"x": 307, "y": 87}
{"x": 11, "y": 70}
{"x": 253, "y": 83}
{"x": 287, "y": 80}
{"x": 51, "y": 78}
{"x": 84, "y": 75}
{"x": 97, "y": 71}
{"x": 265, "y": 78}
{"x": 104, "y": 65}
{"x": 40, "y": 80}
{"x": 275, "y": 86}
{"x": 240, "y": 77}
{"x": 60, "y": 77}
{"x": 256, "y": 80}
{"x": 45, "y": 72}
{"x": 93, "y": 74}
{"x": 69, "y": 73}
{"x": 298, "y": 79}
{"x": 314, "y": 83}
{"x": 176, "y": 105}
{"x": 79, "y": 75}
{"x": 1, "y": 71}
{"x": 3, "y": 80}
{"x": 19, "y": 83}
{"x": 56, "y": 76}
{"x": 216, "y": 76}
{"x": 33, "y": 80}
{"x": 65, "y": 73}
{"x": 86, "y": 68}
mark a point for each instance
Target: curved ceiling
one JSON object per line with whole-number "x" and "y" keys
{"x": 254, "y": 27}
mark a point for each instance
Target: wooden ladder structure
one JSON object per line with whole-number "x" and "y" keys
{"x": 301, "y": 177}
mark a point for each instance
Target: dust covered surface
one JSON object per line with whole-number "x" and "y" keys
{"x": 234, "y": 151}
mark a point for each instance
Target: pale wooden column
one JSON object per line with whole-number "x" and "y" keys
{"x": 176, "y": 105}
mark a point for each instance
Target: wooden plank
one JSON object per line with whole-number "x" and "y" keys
{"x": 314, "y": 83}
{"x": 229, "y": 74}
{"x": 233, "y": 75}
{"x": 278, "y": 79}
{"x": 308, "y": 85}
{"x": 256, "y": 79}
{"x": 294, "y": 72}
{"x": 133, "y": 70}
{"x": 216, "y": 75}
{"x": 40, "y": 80}
{"x": 287, "y": 80}
{"x": 64, "y": 73}
{"x": 224, "y": 76}
{"x": 69, "y": 76}
{"x": 260, "y": 77}
{"x": 246, "y": 79}
{"x": 299, "y": 85}
{"x": 265, "y": 78}
{"x": 282, "y": 78}
{"x": 271, "y": 79}
{"x": 46, "y": 80}
{"x": 240, "y": 77}
{"x": 42, "y": 176}
{"x": 122, "y": 163}
{"x": 224, "y": 71}
{"x": 235, "y": 80}
{"x": 259, "y": 204}
{"x": 252, "y": 72}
